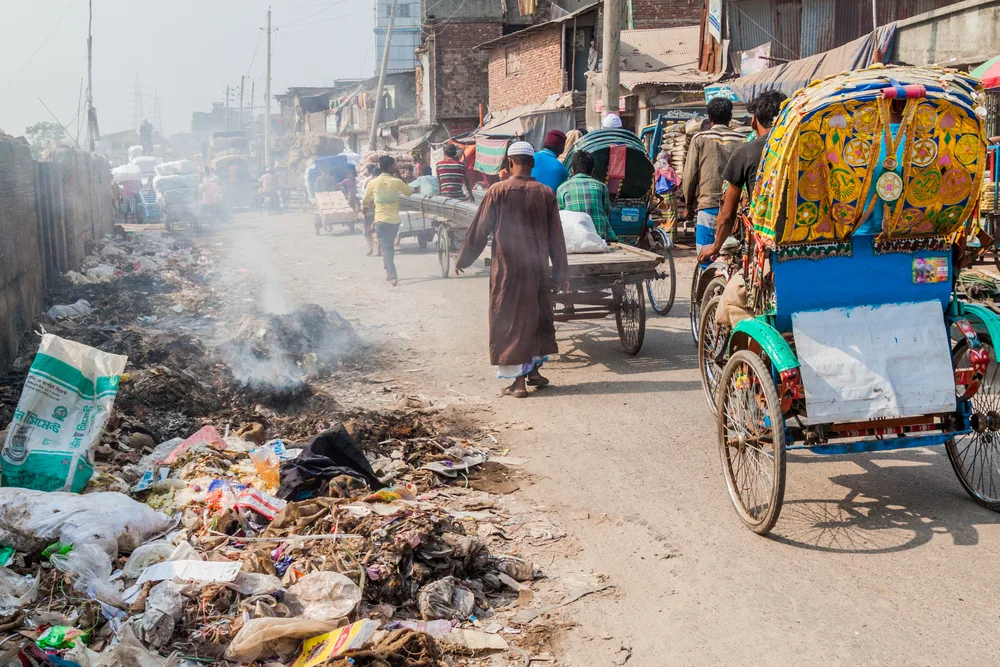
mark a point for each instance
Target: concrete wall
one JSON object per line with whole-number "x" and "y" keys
{"x": 539, "y": 69}
{"x": 22, "y": 272}
{"x": 50, "y": 213}
{"x": 964, "y": 33}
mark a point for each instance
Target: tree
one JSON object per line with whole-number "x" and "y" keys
{"x": 40, "y": 134}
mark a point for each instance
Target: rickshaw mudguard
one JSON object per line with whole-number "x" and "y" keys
{"x": 770, "y": 340}
{"x": 986, "y": 317}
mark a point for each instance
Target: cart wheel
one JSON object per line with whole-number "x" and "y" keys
{"x": 712, "y": 341}
{"x": 713, "y": 289}
{"x": 752, "y": 440}
{"x": 630, "y": 314}
{"x": 423, "y": 240}
{"x": 444, "y": 251}
{"x": 974, "y": 456}
{"x": 663, "y": 289}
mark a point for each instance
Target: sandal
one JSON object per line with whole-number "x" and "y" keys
{"x": 516, "y": 393}
{"x": 537, "y": 381}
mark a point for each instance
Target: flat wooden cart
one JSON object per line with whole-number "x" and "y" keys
{"x": 607, "y": 284}
{"x": 332, "y": 208}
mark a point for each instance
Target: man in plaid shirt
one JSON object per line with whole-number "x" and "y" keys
{"x": 583, "y": 193}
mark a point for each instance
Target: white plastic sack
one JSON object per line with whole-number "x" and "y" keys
{"x": 581, "y": 234}
{"x": 32, "y": 520}
{"x": 175, "y": 182}
{"x": 176, "y": 167}
{"x": 65, "y": 402}
{"x": 178, "y": 196}
{"x": 126, "y": 172}
{"x": 146, "y": 164}
{"x": 134, "y": 152}
{"x": 90, "y": 568}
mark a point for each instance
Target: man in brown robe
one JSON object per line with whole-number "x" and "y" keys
{"x": 523, "y": 218}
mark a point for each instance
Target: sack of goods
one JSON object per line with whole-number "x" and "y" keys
{"x": 66, "y": 400}
{"x": 581, "y": 234}
{"x": 176, "y": 182}
{"x": 134, "y": 152}
{"x": 177, "y": 196}
{"x": 146, "y": 164}
{"x": 176, "y": 168}
{"x": 126, "y": 172}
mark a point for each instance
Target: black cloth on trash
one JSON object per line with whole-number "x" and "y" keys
{"x": 330, "y": 454}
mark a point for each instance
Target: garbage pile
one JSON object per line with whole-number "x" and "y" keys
{"x": 212, "y": 528}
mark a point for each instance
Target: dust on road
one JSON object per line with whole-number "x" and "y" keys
{"x": 877, "y": 559}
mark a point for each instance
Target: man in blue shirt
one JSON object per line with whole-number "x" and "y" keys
{"x": 548, "y": 169}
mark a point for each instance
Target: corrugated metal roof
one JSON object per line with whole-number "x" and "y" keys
{"x": 661, "y": 55}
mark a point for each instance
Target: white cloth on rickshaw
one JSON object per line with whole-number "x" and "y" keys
{"x": 869, "y": 362}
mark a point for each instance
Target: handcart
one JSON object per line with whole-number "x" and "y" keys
{"x": 147, "y": 209}
{"x": 332, "y": 208}
{"x": 605, "y": 284}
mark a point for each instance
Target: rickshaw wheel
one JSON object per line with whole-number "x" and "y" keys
{"x": 974, "y": 456}
{"x": 711, "y": 338}
{"x": 351, "y": 226}
{"x": 663, "y": 289}
{"x": 444, "y": 251}
{"x": 714, "y": 288}
{"x": 630, "y": 315}
{"x": 752, "y": 441}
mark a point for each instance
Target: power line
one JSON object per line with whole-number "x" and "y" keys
{"x": 260, "y": 32}
{"x": 334, "y": 18}
{"x": 306, "y": 18}
{"x": 21, "y": 71}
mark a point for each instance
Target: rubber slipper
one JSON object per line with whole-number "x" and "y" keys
{"x": 516, "y": 393}
{"x": 538, "y": 382}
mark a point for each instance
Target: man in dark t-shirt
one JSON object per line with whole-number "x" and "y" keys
{"x": 741, "y": 170}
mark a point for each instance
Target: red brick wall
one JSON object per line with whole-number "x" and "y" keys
{"x": 461, "y": 70}
{"x": 539, "y": 73}
{"x": 666, "y": 13}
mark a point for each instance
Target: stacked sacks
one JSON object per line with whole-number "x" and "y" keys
{"x": 176, "y": 183}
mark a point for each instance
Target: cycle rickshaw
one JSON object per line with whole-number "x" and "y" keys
{"x": 848, "y": 336}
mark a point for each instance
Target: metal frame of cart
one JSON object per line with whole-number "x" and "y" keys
{"x": 606, "y": 284}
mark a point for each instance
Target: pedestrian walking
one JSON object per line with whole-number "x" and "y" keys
{"x": 548, "y": 169}
{"x": 523, "y": 219}
{"x": 385, "y": 192}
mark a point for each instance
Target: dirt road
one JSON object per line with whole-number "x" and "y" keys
{"x": 878, "y": 559}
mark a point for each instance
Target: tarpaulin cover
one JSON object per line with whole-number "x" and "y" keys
{"x": 315, "y": 103}
{"x": 791, "y": 76}
{"x": 490, "y": 154}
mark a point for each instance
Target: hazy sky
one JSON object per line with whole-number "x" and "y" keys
{"x": 185, "y": 50}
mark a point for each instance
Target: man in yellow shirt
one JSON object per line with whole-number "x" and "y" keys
{"x": 385, "y": 192}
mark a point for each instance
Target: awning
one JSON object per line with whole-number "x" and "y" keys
{"x": 789, "y": 77}
{"x": 408, "y": 146}
{"x": 531, "y": 122}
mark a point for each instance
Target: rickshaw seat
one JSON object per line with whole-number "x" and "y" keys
{"x": 862, "y": 279}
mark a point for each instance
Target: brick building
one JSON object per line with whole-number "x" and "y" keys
{"x": 665, "y": 13}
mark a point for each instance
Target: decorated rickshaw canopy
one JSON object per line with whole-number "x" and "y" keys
{"x": 638, "y": 168}
{"x": 833, "y": 156}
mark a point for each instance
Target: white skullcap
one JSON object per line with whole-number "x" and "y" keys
{"x": 611, "y": 122}
{"x": 520, "y": 148}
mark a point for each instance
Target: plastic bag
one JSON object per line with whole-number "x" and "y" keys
{"x": 446, "y": 598}
{"x": 164, "y": 607}
{"x": 323, "y": 596}
{"x": 32, "y": 520}
{"x": 146, "y": 555}
{"x": 267, "y": 637}
{"x": 90, "y": 568}
{"x": 16, "y": 591}
{"x": 580, "y": 233}
{"x": 268, "y": 466}
{"x": 65, "y": 402}
{"x": 81, "y": 307}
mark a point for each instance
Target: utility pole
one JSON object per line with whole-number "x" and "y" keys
{"x": 381, "y": 78}
{"x": 79, "y": 112}
{"x": 874, "y": 16}
{"x": 612, "y": 41}
{"x": 240, "y": 126}
{"x": 91, "y": 115}
{"x": 253, "y": 127}
{"x": 157, "y": 116}
{"x": 267, "y": 98}
{"x": 227, "y": 108}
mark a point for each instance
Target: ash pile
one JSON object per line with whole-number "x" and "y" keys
{"x": 172, "y": 495}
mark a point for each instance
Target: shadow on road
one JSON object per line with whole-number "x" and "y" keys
{"x": 886, "y": 508}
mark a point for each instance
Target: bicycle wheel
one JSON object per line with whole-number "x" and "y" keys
{"x": 663, "y": 288}
{"x": 714, "y": 288}
{"x": 975, "y": 456}
{"x": 712, "y": 340}
{"x": 444, "y": 251}
{"x": 630, "y": 316}
{"x": 752, "y": 441}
